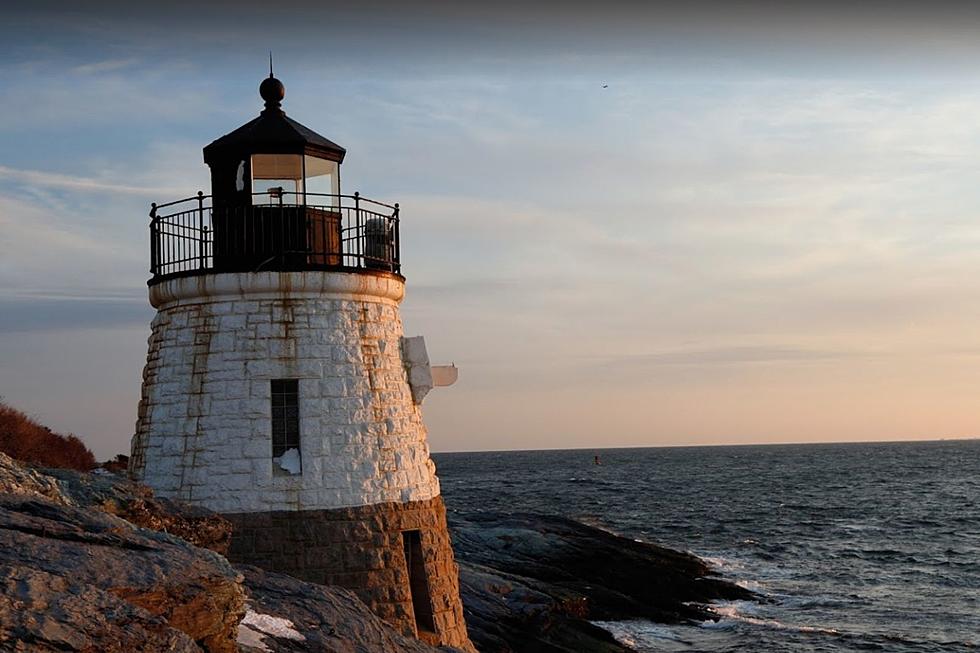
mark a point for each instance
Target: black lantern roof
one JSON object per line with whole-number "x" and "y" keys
{"x": 272, "y": 133}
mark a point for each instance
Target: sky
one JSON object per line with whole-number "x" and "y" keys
{"x": 628, "y": 224}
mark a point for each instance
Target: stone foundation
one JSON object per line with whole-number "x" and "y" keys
{"x": 362, "y": 548}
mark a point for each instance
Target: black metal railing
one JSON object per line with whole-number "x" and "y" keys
{"x": 279, "y": 231}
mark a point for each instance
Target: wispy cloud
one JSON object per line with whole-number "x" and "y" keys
{"x": 62, "y": 94}
{"x": 43, "y": 249}
{"x": 739, "y": 355}
{"x": 77, "y": 183}
{"x": 106, "y": 66}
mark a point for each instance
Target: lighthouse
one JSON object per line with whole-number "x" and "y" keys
{"x": 279, "y": 389}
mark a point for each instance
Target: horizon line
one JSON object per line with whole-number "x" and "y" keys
{"x": 972, "y": 438}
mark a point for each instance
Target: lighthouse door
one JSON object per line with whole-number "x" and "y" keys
{"x": 418, "y": 582}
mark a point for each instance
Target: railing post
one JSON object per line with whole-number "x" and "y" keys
{"x": 358, "y": 231}
{"x": 202, "y": 248}
{"x": 396, "y": 263}
{"x": 200, "y": 225}
{"x": 153, "y": 239}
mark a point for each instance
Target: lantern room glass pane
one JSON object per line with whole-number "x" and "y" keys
{"x": 273, "y": 171}
{"x": 323, "y": 178}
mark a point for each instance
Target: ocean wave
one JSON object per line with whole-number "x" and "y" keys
{"x": 641, "y": 634}
{"x": 597, "y": 523}
{"x": 732, "y": 613}
{"x": 740, "y": 611}
{"x": 721, "y": 563}
{"x": 751, "y": 585}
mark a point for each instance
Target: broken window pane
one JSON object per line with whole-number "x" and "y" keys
{"x": 285, "y": 426}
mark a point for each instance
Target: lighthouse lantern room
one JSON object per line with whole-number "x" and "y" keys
{"x": 279, "y": 389}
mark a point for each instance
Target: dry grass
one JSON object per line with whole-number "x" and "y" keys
{"x": 23, "y": 439}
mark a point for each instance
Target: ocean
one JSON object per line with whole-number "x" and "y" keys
{"x": 853, "y": 547}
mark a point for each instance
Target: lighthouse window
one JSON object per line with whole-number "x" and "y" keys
{"x": 322, "y": 181}
{"x": 418, "y": 584}
{"x": 285, "y": 426}
{"x": 271, "y": 172}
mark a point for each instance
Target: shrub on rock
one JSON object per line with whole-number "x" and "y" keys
{"x": 24, "y": 439}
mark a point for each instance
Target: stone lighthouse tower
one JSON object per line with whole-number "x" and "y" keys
{"x": 279, "y": 389}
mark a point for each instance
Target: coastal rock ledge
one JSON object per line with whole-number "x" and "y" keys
{"x": 79, "y": 579}
{"x": 93, "y": 563}
{"x": 536, "y": 583}
{"x": 76, "y": 576}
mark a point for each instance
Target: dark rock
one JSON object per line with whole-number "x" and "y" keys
{"x": 506, "y": 613}
{"x": 79, "y": 573}
{"x": 44, "y": 612}
{"x": 135, "y": 503}
{"x": 16, "y": 479}
{"x": 533, "y": 582}
{"x": 79, "y": 579}
{"x": 322, "y": 618}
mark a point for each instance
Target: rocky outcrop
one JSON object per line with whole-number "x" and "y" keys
{"x": 286, "y": 614}
{"x": 136, "y": 504}
{"x": 117, "y": 495}
{"x": 23, "y": 481}
{"x": 83, "y": 580}
{"x": 533, "y": 582}
{"x": 47, "y": 612}
{"x": 506, "y": 613}
{"x": 76, "y": 576}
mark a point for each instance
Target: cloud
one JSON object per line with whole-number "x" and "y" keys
{"x": 740, "y": 355}
{"x": 87, "y": 234}
{"x": 72, "y": 182}
{"x": 30, "y": 233}
{"x": 106, "y": 66}
{"x": 41, "y": 247}
{"x": 65, "y": 93}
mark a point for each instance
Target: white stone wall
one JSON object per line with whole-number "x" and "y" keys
{"x": 204, "y": 430}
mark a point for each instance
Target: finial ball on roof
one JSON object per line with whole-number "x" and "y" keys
{"x": 272, "y": 91}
